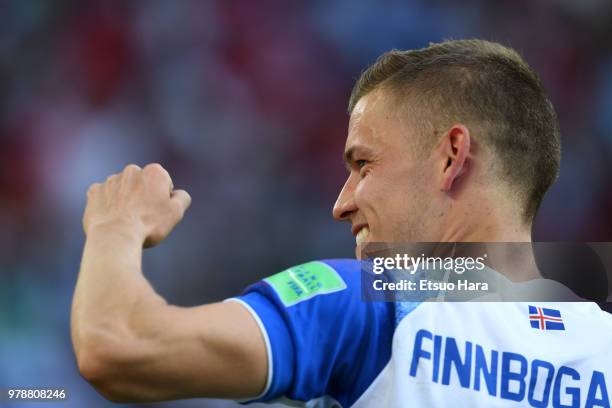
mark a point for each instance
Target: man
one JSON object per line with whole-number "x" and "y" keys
{"x": 454, "y": 142}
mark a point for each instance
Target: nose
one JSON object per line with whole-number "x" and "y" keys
{"x": 345, "y": 204}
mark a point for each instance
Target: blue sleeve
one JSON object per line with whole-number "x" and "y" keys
{"x": 323, "y": 341}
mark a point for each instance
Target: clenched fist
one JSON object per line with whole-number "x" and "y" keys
{"x": 141, "y": 200}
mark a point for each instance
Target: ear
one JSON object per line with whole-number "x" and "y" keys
{"x": 454, "y": 149}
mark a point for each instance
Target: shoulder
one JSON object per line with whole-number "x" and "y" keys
{"x": 317, "y": 281}
{"x": 322, "y": 338}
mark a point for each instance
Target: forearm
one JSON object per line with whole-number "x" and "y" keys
{"x": 134, "y": 347}
{"x": 111, "y": 295}
{"x": 129, "y": 343}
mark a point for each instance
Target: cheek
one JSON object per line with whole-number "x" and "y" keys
{"x": 367, "y": 193}
{"x": 375, "y": 197}
{"x": 388, "y": 197}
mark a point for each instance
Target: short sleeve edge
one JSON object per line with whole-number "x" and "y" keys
{"x": 264, "y": 333}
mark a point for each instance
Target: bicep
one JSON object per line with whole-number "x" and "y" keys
{"x": 215, "y": 350}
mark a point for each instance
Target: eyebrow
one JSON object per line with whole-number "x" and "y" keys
{"x": 349, "y": 154}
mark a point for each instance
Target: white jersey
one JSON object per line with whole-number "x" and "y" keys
{"x": 489, "y": 355}
{"x": 328, "y": 347}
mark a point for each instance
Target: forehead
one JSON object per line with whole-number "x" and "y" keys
{"x": 376, "y": 122}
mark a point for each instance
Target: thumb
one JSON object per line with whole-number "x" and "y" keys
{"x": 182, "y": 198}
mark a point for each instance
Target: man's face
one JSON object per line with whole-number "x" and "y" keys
{"x": 390, "y": 194}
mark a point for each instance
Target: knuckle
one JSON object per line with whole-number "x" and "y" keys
{"x": 92, "y": 188}
{"x": 131, "y": 168}
{"x": 154, "y": 167}
{"x": 158, "y": 169}
{"x": 158, "y": 173}
{"x": 176, "y": 210}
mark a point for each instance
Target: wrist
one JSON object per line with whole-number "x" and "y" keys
{"x": 131, "y": 230}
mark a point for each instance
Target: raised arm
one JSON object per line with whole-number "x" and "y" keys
{"x": 129, "y": 343}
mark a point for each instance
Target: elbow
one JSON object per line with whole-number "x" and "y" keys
{"x": 91, "y": 360}
{"x": 95, "y": 367}
{"x": 89, "y": 367}
{"x": 99, "y": 366}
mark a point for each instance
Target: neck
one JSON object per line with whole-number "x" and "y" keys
{"x": 485, "y": 217}
{"x": 487, "y": 230}
{"x": 493, "y": 227}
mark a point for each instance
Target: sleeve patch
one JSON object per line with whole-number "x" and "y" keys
{"x": 302, "y": 282}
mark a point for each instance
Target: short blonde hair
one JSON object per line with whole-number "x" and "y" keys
{"x": 488, "y": 85}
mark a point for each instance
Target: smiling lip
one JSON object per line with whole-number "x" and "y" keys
{"x": 356, "y": 228}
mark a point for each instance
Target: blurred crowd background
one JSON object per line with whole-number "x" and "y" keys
{"x": 244, "y": 102}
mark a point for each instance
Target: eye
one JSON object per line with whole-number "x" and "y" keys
{"x": 361, "y": 163}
